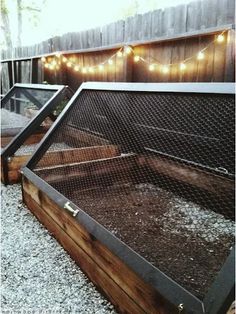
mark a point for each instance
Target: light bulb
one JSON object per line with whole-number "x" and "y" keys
{"x": 119, "y": 54}
{"x": 136, "y": 58}
{"x": 76, "y": 68}
{"x": 110, "y": 61}
{"x": 84, "y": 70}
{"x": 64, "y": 59}
{"x": 69, "y": 64}
{"x": 54, "y": 62}
{"x": 58, "y": 55}
{"x": 151, "y": 67}
{"x": 101, "y": 67}
{"x": 200, "y": 55}
{"x": 220, "y": 38}
{"x": 165, "y": 69}
{"x": 182, "y": 66}
{"x": 43, "y": 59}
{"x": 51, "y": 66}
{"x": 46, "y": 65}
{"x": 128, "y": 50}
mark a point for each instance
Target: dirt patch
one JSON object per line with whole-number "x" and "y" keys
{"x": 187, "y": 242}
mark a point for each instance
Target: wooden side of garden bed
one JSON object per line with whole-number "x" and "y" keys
{"x": 33, "y": 139}
{"x": 123, "y": 287}
{"x": 62, "y": 157}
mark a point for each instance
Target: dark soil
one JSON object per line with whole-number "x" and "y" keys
{"x": 137, "y": 215}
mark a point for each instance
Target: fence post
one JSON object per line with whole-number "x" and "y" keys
{"x": 34, "y": 71}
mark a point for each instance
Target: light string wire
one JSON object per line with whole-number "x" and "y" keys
{"x": 54, "y": 63}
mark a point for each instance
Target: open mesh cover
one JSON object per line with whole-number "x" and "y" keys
{"x": 169, "y": 194}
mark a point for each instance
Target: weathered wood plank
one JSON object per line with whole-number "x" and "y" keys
{"x": 140, "y": 69}
{"x": 77, "y": 136}
{"x": 78, "y": 155}
{"x": 122, "y": 302}
{"x": 193, "y": 176}
{"x": 229, "y": 74}
{"x": 60, "y": 158}
{"x": 33, "y": 139}
{"x": 142, "y": 294}
{"x": 117, "y": 167}
{"x": 193, "y": 19}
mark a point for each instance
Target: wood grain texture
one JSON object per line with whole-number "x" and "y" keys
{"x": 33, "y": 139}
{"x": 60, "y": 158}
{"x": 121, "y": 280}
{"x": 101, "y": 280}
{"x": 116, "y": 167}
{"x": 171, "y": 24}
{"x": 193, "y": 176}
{"x": 71, "y": 134}
{"x": 74, "y": 155}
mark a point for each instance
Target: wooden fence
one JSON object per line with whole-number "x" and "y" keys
{"x": 169, "y": 36}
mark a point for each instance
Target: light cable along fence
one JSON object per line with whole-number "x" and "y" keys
{"x": 160, "y": 37}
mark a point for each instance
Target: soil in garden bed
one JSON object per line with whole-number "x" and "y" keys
{"x": 187, "y": 242}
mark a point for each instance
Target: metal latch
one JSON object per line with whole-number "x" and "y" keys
{"x": 70, "y": 209}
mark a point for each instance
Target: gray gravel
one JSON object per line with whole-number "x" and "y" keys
{"x": 37, "y": 275}
{"x": 11, "y": 119}
{"x": 30, "y": 149}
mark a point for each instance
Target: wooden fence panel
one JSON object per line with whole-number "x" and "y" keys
{"x": 5, "y": 81}
{"x": 170, "y": 24}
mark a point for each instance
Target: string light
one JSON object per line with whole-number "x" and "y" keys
{"x": 220, "y": 38}
{"x": 119, "y": 54}
{"x": 151, "y": 67}
{"x": 200, "y": 55}
{"x": 53, "y": 63}
{"x": 182, "y": 66}
{"x": 101, "y": 67}
{"x": 127, "y": 50}
{"x": 165, "y": 69}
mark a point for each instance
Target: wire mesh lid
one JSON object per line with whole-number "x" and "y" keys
{"x": 144, "y": 192}
{"x": 193, "y": 126}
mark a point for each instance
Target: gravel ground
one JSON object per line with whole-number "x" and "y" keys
{"x": 9, "y": 119}
{"x": 30, "y": 149}
{"x": 37, "y": 275}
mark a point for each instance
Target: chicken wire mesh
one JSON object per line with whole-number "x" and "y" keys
{"x": 169, "y": 195}
{"x": 22, "y": 106}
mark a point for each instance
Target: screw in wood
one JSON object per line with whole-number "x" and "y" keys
{"x": 180, "y": 307}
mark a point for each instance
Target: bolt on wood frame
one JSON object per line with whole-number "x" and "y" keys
{"x": 131, "y": 283}
{"x": 30, "y": 134}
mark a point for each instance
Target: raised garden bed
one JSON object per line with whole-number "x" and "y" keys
{"x": 26, "y": 114}
{"x": 154, "y": 232}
